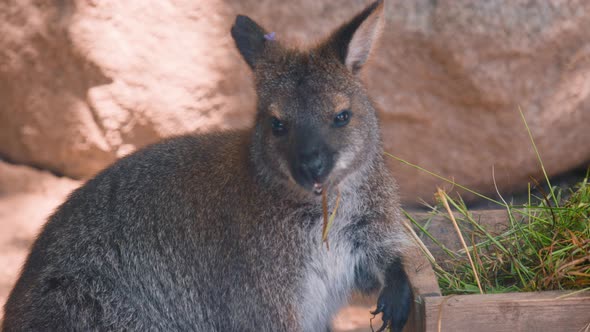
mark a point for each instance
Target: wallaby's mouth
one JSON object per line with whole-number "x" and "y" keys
{"x": 318, "y": 188}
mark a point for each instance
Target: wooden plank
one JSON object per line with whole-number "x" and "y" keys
{"x": 541, "y": 311}
{"x": 538, "y": 312}
{"x": 424, "y": 284}
{"x": 420, "y": 273}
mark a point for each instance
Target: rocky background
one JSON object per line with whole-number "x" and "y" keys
{"x": 84, "y": 82}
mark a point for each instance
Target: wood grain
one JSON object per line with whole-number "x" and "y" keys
{"x": 538, "y": 312}
{"x": 424, "y": 284}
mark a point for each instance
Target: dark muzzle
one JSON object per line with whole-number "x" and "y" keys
{"x": 311, "y": 161}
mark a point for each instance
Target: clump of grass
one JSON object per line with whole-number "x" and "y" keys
{"x": 546, "y": 245}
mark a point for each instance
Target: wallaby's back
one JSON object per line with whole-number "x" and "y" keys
{"x": 123, "y": 252}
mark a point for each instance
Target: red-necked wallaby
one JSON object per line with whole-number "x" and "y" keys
{"x": 223, "y": 231}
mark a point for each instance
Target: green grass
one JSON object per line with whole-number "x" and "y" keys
{"x": 546, "y": 245}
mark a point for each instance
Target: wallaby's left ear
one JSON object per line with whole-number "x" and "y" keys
{"x": 249, "y": 38}
{"x": 353, "y": 41}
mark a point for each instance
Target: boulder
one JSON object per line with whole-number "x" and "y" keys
{"x": 85, "y": 82}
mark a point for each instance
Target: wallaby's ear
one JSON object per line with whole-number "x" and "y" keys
{"x": 249, "y": 38}
{"x": 352, "y": 42}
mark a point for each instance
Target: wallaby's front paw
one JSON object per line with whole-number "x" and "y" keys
{"x": 394, "y": 304}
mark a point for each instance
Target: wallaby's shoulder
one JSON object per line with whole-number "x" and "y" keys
{"x": 168, "y": 181}
{"x": 175, "y": 162}
{"x": 187, "y": 170}
{"x": 187, "y": 151}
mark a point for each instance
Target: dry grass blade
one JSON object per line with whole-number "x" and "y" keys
{"x": 572, "y": 293}
{"x": 403, "y": 161}
{"x": 585, "y": 328}
{"x": 325, "y": 214}
{"x": 442, "y": 196}
{"x": 419, "y": 242}
{"x": 328, "y": 221}
{"x": 538, "y": 155}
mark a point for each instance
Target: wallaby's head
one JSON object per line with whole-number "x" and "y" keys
{"x": 315, "y": 124}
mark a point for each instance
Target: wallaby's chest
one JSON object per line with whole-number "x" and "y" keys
{"x": 328, "y": 276}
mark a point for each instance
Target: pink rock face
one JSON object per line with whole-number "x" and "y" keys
{"x": 85, "y": 82}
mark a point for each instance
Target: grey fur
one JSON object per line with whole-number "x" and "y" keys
{"x": 213, "y": 233}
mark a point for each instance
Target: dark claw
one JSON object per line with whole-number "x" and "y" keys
{"x": 394, "y": 304}
{"x": 379, "y": 309}
{"x": 385, "y": 322}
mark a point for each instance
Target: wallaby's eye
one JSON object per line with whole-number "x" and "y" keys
{"x": 342, "y": 119}
{"x": 278, "y": 128}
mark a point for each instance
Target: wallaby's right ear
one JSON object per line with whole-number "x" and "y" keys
{"x": 249, "y": 38}
{"x": 352, "y": 42}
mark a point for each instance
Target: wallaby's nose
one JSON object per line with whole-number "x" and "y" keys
{"x": 310, "y": 158}
{"x": 312, "y": 165}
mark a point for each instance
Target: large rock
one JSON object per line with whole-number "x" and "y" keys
{"x": 84, "y": 82}
{"x": 454, "y": 75}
